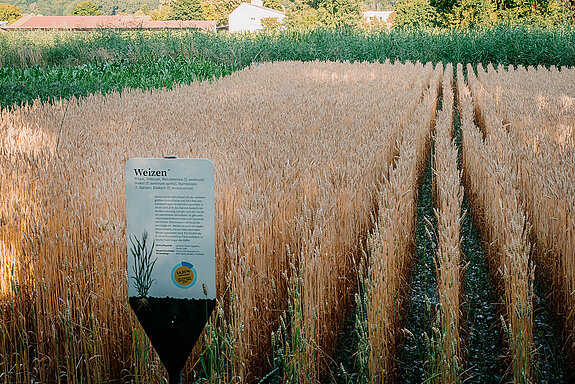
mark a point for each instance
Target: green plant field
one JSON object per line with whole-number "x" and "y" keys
{"x": 19, "y": 85}
{"x": 61, "y": 64}
{"x": 505, "y": 44}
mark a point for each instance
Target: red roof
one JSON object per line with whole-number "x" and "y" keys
{"x": 96, "y": 22}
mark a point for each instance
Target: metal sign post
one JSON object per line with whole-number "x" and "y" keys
{"x": 170, "y": 233}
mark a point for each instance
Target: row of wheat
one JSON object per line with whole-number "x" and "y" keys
{"x": 445, "y": 354}
{"x": 391, "y": 244}
{"x": 300, "y": 151}
{"x": 537, "y": 107}
{"x": 490, "y": 181}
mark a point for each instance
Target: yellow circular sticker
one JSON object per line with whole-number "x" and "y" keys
{"x": 184, "y": 275}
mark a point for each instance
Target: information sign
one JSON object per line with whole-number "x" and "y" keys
{"x": 170, "y": 233}
{"x": 170, "y": 228}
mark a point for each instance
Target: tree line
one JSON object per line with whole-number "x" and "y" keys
{"x": 482, "y": 13}
{"x": 320, "y": 13}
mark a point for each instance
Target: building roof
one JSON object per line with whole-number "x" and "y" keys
{"x": 97, "y": 22}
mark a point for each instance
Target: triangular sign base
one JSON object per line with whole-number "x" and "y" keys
{"x": 173, "y": 327}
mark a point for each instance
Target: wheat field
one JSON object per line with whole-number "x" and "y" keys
{"x": 300, "y": 152}
{"x": 526, "y": 115}
{"x": 317, "y": 172}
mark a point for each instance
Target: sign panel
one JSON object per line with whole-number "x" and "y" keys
{"x": 170, "y": 208}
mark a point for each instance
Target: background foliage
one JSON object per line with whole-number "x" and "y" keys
{"x": 337, "y": 13}
{"x": 481, "y": 13}
{"x": 86, "y": 8}
{"x": 186, "y": 10}
{"x": 416, "y": 13}
{"x": 64, "y": 7}
{"x": 10, "y": 13}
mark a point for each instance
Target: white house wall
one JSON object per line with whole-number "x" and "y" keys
{"x": 248, "y": 18}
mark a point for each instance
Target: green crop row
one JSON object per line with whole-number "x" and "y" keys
{"x": 505, "y": 44}
{"x": 60, "y": 64}
{"x": 19, "y": 85}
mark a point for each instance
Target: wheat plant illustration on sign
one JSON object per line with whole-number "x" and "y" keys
{"x": 143, "y": 264}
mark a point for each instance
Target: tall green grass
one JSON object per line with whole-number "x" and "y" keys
{"x": 502, "y": 44}
{"x": 19, "y": 85}
{"x": 50, "y": 65}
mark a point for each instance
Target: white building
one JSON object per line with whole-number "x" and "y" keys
{"x": 378, "y": 16}
{"x": 247, "y": 17}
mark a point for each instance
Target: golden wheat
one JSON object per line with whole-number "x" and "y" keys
{"x": 538, "y": 109}
{"x": 390, "y": 244}
{"x": 300, "y": 152}
{"x": 491, "y": 173}
{"x": 446, "y": 359}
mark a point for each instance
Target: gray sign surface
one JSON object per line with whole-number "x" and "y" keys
{"x": 170, "y": 208}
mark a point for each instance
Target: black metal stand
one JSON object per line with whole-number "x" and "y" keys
{"x": 173, "y": 327}
{"x": 175, "y": 377}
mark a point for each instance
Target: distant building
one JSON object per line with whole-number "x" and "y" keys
{"x": 381, "y": 17}
{"x": 87, "y": 23}
{"x": 247, "y": 17}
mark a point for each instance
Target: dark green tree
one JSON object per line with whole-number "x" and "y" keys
{"x": 86, "y": 8}
{"x": 302, "y": 16}
{"x": 535, "y": 11}
{"x": 339, "y": 13}
{"x": 444, "y": 7}
{"x": 271, "y": 23}
{"x": 10, "y": 13}
{"x": 273, "y": 4}
{"x": 186, "y": 10}
{"x": 472, "y": 13}
{"x": 219, "y": 9}
{"x": 415, "y": 13}
{"x": 327, "y": 13}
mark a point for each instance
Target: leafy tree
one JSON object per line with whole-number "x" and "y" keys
{"x": 271, "y": 23}
{"x": 302, "y": 15}
{"x": 10, "y": 13}
{"x": 472, "y": 13}
{"x": 415, "y": 13}
{"x": 444, "y": 7}
{"x": 186, "y": 10}
{"x": 327, "y": 13}
{"x": 220, "y": 9}
{"x": 534, "y": 11}
{"x": 209, "y": 11}
{"x": 162, "y": 13}
{"x": 115, "y": 7}
{"x": 86, "y": 8}
{"x": 557, "y": 13}
{"x": 339, "y": 13}
{"x": 273, "y": 4}
{"x": 379, "y": 5}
